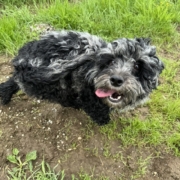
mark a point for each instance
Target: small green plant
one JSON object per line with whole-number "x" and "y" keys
{"x": 18, "y": 172}
{"x": 24, "y": 170}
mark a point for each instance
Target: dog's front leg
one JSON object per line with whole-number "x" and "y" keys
{"x": 98, "y": 113}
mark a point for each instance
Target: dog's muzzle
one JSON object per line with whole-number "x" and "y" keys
{"x": 112, "y": 95}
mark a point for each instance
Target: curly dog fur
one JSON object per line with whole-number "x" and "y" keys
{"x": 80, "y": 70}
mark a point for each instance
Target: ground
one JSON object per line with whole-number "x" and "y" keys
{"x": 67, "y": 137}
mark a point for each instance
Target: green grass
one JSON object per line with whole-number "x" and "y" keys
{"x": 111, "y": 19}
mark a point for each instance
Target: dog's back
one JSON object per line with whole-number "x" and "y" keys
{"x": 36, "y": 59}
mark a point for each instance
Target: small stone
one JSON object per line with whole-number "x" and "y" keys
{"x": 154, "y": 173}
{"x": 49, "y": 122}
{"x": 79, "y": 138}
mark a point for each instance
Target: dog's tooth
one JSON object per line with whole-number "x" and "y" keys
{"x": 119, "y": 97}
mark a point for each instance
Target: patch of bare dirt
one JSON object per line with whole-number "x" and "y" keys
{"x": 169, "y": 54}
{"x": 67, "y": 137}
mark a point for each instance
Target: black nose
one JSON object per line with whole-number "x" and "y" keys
{"x": 116, "y": 81}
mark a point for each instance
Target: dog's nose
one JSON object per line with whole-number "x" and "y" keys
{"x": 116, "y": 81}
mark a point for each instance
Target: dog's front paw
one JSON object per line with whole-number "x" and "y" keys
{"x": 101, "y": 117}
{"x": 101, "y": 122}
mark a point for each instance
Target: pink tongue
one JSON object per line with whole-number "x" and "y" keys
{"x": 104, "y": 93}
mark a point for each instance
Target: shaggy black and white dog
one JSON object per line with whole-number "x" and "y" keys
{"x": 83, "y": 71}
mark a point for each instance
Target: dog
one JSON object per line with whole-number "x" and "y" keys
{"x": 83, "y": 71}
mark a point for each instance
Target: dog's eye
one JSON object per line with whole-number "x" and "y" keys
{"x": 111, "y": 63}
{"x": 136, "y": 66}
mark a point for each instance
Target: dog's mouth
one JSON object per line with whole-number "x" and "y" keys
{"x": 112, "y": 95}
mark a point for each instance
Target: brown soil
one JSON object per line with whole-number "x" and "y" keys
{"x": 67, "y": 137}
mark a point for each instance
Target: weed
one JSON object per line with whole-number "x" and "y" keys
{"x": 24, "y": 170}
{"x": 19, "y": 171}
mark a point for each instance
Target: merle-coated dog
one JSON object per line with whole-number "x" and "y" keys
{"x": 79, "y": 70}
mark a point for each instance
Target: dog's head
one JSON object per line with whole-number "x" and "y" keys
{"x": 126, "y": 73}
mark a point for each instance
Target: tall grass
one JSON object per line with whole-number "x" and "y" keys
{"x": 108, "y": 18}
